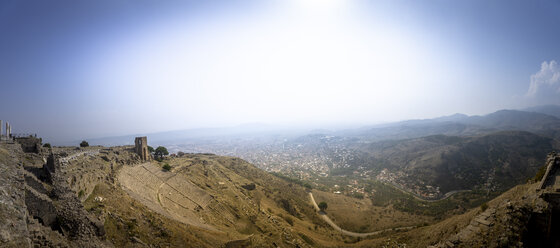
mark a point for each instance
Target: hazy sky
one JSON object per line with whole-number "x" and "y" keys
{"x": 77, "y": 69}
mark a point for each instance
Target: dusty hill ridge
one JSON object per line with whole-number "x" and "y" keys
{"x": 104, "y": 197}
{"x": 77, "y": 198}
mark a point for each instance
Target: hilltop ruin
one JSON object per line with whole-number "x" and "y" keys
{"x": 141, "y": 148}
{"x": 28, "y": 142}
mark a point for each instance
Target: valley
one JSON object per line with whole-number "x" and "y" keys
{"x": 472, "y": 158}
{"x": 436, "y": 190}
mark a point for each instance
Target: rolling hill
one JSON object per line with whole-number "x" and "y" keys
{"x": 500, "y": 160}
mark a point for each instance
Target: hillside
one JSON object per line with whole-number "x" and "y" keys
{"x": 117, "y": 200}
{"x": 499, "y": 160}
{"x": 108, "y": 197}
{"x": 524, "y": 216}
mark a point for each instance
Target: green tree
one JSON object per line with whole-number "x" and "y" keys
{"x": 323, "y": 206}
{"x": 160, "y": 152}
{"x": 151, "y": 149}
{"x": 84, "y": 144}
{"x": 47, "y": 145}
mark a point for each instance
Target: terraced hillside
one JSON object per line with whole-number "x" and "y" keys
{"x": 168, "y": 193}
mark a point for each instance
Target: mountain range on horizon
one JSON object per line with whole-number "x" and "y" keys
{"x": 542, "y": 120}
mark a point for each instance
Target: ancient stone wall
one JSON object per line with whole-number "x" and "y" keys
{"x": 552, "y": 174}
{"x": 141, "y": 147}
{"x": 41, "y": 199}
{"x": 13, "y": 227}
{"x": 30, "y": 144}
{"x": 84, "y": 170}
{"x": 40, "y": 207}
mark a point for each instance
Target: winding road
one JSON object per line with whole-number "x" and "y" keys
{"x": 346, "y": 232}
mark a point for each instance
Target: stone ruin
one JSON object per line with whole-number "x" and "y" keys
{"x": 141, "y": 148}
{"x": 547, "y": 221}
{"x": 28, "y": 142}
{"x": 51, "y": 201}
{"x": 8, "y": 134}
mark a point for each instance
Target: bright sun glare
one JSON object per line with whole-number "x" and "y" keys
{"x": 315, "y": 60}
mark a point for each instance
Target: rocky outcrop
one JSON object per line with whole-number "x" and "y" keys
{"x": 529, "y": 218}
{"x": 13, "y": 213}
{"x": 71, "y": 217}
{"x": 37, "y": 206}
{"x": 84, "y": 169}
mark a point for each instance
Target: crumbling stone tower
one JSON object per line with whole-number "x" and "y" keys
{"x": 141, "y": 147}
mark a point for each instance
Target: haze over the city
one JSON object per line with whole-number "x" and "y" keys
{"x": 80, "y": 69}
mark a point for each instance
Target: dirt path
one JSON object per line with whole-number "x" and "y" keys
{"x": 346, "y": 232}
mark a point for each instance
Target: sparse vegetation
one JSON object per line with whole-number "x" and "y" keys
{"x": 323, "y": 206}
{"x": 292, "y": 180}
{"x": 540, "y": 173}
{"x": 289, "y": 219}
{"x": 307, "y": 239}
{"x": 484, "y": 206}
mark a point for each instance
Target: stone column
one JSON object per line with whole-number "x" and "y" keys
{"x": 8, "y": 130}
{"x": 1, "y": 129}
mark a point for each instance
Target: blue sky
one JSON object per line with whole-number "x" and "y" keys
{"x": 79, "y": 69}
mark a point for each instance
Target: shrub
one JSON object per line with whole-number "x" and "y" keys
{"x": 358, "y": 195}
{"x": 307, "y": 240}
{"x": 289, "y": 220}
{"x": 166, "y": 167}
{"x": 47, "y": 145}
{"x": 323, "y": 206}
{"x": 84, "y": 144}
{"x": 484, "y": 206}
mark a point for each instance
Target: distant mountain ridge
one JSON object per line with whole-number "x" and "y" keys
{"x": 463, "y": 125}
{"x": 544, "y": 120}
